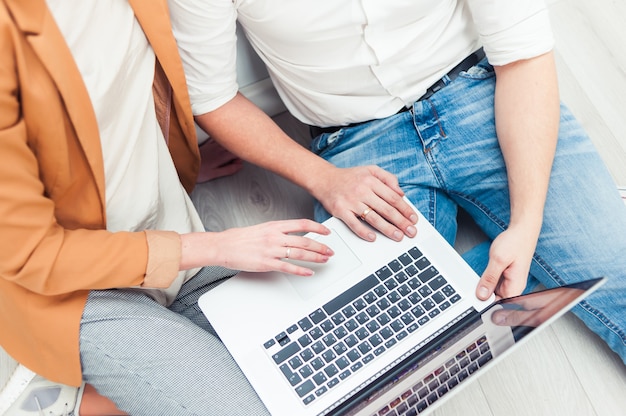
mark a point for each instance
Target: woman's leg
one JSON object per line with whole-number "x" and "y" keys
{"x": 151, "y": 360}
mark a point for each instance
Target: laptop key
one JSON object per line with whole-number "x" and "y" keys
{"x": 436, "y": 283}
{"x": 350, "y": 295}
{"x": 415, "y": 253}
{"x": 305, "y": 324}
{"x": 395, "y": 265}
{"x": 428, "y": 274}
{"x": 422, "y": 263}
{"x": 305, "y": 388}
{"x": 286, "y": 352}
{"x": 405, "y": 259}
{"x": 318, "y": 316}
{"x": 384, "y": 273}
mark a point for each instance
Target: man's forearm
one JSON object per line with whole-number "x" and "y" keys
{"x": 246, "y": 131}
{"x": 527, "y": 122}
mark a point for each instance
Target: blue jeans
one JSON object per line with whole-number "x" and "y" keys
{"x": 152, "y": 360}
{"x": 446, "y": 155}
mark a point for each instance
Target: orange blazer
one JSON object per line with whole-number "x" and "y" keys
{"x": 54, "y": 246}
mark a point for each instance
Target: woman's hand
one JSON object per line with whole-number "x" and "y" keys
{"x": 258, "y": 248}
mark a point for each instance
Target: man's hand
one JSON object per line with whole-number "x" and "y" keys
{"x": 367, "y": 196}
{"x": 509, "y": 263}
{"x": 216, "y": 162}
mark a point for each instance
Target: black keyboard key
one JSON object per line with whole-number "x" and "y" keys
{"x": 401, "y": 277}
{"x": 327, "y": 325}
{"x": 307, "y": 354}
{"x": 370, "y": 297}
{"x": 338, "y": 318}
{"x": 411, "y": 270}
{"x": 305, "y": 324}
{"x": 318, "y": 347}
{"x": 384, "y": 273}
{"x": 395, "y": 265}
{"x": 340, "y": 332}
{"x": 405, "y": 259}
{"x": 391, "y": 284}
{"x": 383, "y": 319}
{"x": 348, "y": 311}
{"x": 315, "y": 333}
{"x": 380, "y": 290}
{"x": 415, "y": 253}
{"x": 340, "y": 348}
{"x": 448, "y": 291}
{"x": 282, "y": 339}
{"x": 317, "y": 363}
{"x": 351, "y": 294}
{"x": 359, "y": 304}
{"x": 436, "y": 283}
{"x": 286, "y": 352}
{"x": 305, "y": 388}
{"x": 428, "y": 274}
{"x": 485, "y": 359}
{"x": 319, "y": 378}
{"x": 414, "y": 283}
{"x": 386, "y": 333}
{"x": 351, "y": 341}
{"x": 342, "y": 363}
{"x": 306, "y": 371}
{"x": 351, "y": 325}
{"x": 318, "y": 316}
{"x": 383, "y": 304}
{"x": 321, "y": 391}
{"x": 404, "y": 290}
{"x": 422, "y": 263}
{"x": 305, "y": 340}
{"x": 438, "y": 297}
{"x": 362, "y": 318}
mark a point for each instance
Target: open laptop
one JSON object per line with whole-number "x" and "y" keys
{"x": 384, "y": 328}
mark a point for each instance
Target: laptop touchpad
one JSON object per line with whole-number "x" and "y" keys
{"x": 336, "y": 269}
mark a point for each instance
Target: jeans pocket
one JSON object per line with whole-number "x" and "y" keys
{"x": 325, "y": 142}
{"x": 482, "y": 70}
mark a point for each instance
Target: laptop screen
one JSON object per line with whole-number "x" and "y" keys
{"x": 463, "y": 350}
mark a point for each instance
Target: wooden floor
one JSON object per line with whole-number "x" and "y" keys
{"x": 565, "y": 370}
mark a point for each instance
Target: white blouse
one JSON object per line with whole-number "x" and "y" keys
{"x": 117, "y": 64}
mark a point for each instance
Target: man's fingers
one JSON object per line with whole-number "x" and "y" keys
{"x": 489, "y": 281}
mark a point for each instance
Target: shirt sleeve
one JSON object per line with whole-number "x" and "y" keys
{"x": 512, "y": 30}
{"x": 205, "y": 31}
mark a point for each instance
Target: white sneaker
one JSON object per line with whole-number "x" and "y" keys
{"x": 28, "y": 394}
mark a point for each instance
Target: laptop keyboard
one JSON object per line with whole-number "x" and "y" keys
{"x": 333, "y": 342}
{"x": 426, "y": 392}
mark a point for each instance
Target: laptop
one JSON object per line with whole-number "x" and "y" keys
{"x": 384, "y": 328}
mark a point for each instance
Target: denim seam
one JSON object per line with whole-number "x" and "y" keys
{"x": 609, "y": 324}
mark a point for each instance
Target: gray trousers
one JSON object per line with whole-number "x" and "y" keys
{"x": 154, "y": 360}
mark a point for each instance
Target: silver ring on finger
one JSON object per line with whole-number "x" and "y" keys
{"x": 288, "y": 252}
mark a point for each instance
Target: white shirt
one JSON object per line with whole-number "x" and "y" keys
{"x": 117, "y": 64}
{"x": 336, "y": 62}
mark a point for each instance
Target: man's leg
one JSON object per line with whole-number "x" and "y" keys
{"x": 584, "y": 226}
